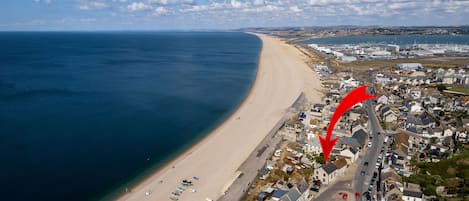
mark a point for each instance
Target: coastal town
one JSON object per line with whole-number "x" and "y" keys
{"x": 234, "y": 100}
{"x": 409, "y": 143}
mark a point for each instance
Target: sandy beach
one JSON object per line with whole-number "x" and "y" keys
{"x": 282, "y": 75}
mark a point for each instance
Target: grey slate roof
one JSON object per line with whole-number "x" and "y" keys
{"x": 353, "y": 150}
{"x": 329, "y": 168}
{"x": 350, "y": 141}
{"x": 414, "y": 120}
{"x": 384, "y": 110}
{"x": 293, "y": 195}
{"x": 361, "y": 136}
{"x": 412, "y": 129}
{"x": 279, "y": 193}
{"x": 426, "y": 119}
{"x": 415, "y": 194}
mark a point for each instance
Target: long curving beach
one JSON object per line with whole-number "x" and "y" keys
{"x": 282, "y": 75}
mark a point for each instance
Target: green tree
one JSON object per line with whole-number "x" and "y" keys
{"x": 319, "y": 159}
{"x": 441, "y": 87}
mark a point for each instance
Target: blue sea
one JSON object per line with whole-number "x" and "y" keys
{"x": 402, "y": 40}
{"x": 85, "y": 114}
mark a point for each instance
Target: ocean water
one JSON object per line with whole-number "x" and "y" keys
{"x": 393, "y": 39}
{"x": 84, "y": 113}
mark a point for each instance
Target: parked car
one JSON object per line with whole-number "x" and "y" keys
{"x": 314, "y": 188}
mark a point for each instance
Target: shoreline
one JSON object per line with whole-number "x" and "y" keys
{"x": 190, "y": 148}
{"x": 200, "y": 159}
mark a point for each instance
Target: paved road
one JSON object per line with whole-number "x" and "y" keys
{"x": 343, "y": 184}
{"x": 359, "y": 183}
{"x": 362, "y": 183}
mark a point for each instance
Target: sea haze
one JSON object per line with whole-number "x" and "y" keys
{"x": 84, "y": 113}
{"x": 403, "y": 40}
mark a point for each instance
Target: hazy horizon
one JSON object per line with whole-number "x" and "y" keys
{"x": 187, "y": 15}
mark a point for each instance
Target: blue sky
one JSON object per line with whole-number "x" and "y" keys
{"x": 224, "y": 14}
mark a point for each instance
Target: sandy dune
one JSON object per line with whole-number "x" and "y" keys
{"x": 281, "y": 77}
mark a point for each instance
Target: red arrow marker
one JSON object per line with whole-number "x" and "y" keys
{"x": 356, "y": 96}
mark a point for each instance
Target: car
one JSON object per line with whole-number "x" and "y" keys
{"x": 314, "y": 188}
{"x": 362, "y": 172}
{"x": 317, "y": 183}
{"x": 366, "y": 195}
{"x": 365, "y": 164}
{"x": 369, "y": 144}
{"x": 375, "y": 174}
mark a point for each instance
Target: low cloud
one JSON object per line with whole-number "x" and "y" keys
{"x": 92, "y": 5}
{"x": 137, "y": 6}
{"x": 161, "y": 10}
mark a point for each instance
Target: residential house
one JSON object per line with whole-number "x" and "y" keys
{"x": 388, "y": 115}
{"x": 392, "y": 184}
{"x": 357, "y": 140}
{"x": 415, "y": 94}
{"x": 412, "y": 192}
{"x": 383, "y": 99}
{"x": 361, "y": 136}
{"x": 313, "y": 145}
{"x": 278, "y": 194}
{"x": 354, "y": 114}
{"x": 462, "y": 135}
{"x": 326, "y": 173}
{"x": 349, "y": 153}
{"x": 412, "y": 195}
{"x": 448, "y": 132}
{"x": 341, "y": 166}
{"x": 298, "y": 193}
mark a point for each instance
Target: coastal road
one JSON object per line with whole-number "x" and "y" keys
{"x": 361, "y": 183}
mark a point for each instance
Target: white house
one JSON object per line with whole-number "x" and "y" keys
{"x": 461, "y": 136}
{"x": 383, "y": 99}
{"x": 415, "y": 94}
{"x": 313, "y": 146}
{"x": 341, "y": 166}
{"x": 326, "y": 173}
{"x": 351, "y": 153}
{"x": 448, "y": 132}
{"x": 416, "y": 108}
{"x": 390, "y": 116}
